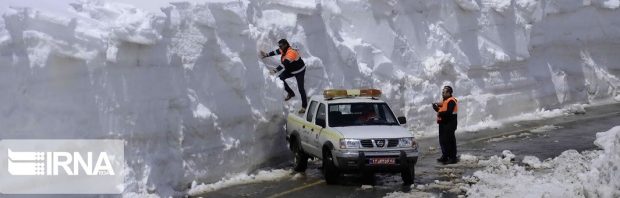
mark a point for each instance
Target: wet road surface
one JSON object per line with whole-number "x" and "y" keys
{"x": 574, "y": 131}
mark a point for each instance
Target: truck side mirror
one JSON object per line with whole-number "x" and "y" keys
{"x": 402, "y": 120}
{"x": 320, "y": 122}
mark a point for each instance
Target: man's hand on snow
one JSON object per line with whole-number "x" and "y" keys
{"x": 263, "y": 54}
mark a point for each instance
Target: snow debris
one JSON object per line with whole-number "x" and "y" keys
{"x": 499, "y": 139}
{"x": 139, "y": 195}
{"x": 602, "y": 179}
{"x": 545, "y": 128}
{"x": 409, "y": 194}
{"x": 487, "y": 123}
{"x": 261, "y": 176}
{"x": 572, "y": 174}
{"x": 576, "y": 109}
{"x": 532, "y": 162}
{"x": 507, "y": 155}
{"x": 468, "y": 158}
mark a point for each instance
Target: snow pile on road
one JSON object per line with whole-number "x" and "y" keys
{"x": 185, "y": 88}
{"x": 468, "y": 158}
{"x": 603, "y": 177}
{"x": 545, "y": 128}
{"x": 499, "y": 139}
{"x": 572, "y": 174}
{"x": 538, "y": 114}
{"x": 414, "y": 193}
{"x": 261, "y": 176}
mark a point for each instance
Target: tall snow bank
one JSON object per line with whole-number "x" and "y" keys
{"x": 186, "y": 89}
{"x": 589, "y": 174}
{"x": 189, "y": 98}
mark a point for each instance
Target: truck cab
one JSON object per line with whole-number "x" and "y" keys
{"x": 352, "y": 131}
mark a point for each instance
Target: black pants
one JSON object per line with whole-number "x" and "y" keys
{"x": 447, "y": 140}
{"x": 300, "y": 85}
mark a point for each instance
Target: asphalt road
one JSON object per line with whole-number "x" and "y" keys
{"x": 574, "y": 131}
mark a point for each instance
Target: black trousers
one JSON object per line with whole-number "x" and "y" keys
{"x": 300, "y": 85}
{"x": 447, "y": 139}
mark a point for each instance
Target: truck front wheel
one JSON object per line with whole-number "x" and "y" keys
{"x": 330, "y": 171}
{"x": 408, "y": 175}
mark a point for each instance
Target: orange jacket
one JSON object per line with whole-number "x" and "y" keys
{"x": 444, "y": 113}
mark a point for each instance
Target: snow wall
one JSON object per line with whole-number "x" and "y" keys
{"x": 187, "y": 91}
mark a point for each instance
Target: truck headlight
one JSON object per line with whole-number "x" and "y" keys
{"x": 349, "y": 143}
{"x": 408, "y": 142}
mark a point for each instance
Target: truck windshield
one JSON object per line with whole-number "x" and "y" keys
{"x": 357, "y": 114}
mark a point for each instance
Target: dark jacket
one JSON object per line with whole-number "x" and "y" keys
{"x": 290, "y": 59}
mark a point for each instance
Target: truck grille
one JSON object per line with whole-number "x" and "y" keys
{"x": 368, "y": 143}
{"x": 392, "y": 142}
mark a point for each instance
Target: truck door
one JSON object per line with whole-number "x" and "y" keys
{"x": 305, "y": 128}
{"x": 319, "y": 124}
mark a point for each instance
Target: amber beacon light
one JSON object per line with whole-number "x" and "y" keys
{"x": 348, "y": 93}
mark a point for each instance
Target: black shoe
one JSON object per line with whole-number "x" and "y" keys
{"x": 288, "y": 97}
{"x": 442, "y": 159}
{"x": 451, "y": 161}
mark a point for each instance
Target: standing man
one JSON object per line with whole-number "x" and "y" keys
{"x": 447, "y": 120}
{"x": 294, "y": 66}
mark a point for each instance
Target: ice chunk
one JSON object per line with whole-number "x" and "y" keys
{"x": 532, "y": 161}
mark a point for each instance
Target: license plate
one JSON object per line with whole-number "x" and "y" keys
{"x": 382, "y": 161}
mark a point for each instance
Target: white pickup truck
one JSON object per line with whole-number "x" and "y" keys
{"x": 352, "y": 131}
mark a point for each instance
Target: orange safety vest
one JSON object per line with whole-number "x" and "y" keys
{"x": 296, "y": 64}
{"x": 291, "y": 54}
{"x": 444, "y": 107}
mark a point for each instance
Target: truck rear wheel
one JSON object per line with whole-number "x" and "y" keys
{"x": 408, "y": 175}
{"x": 330, "y": 171}
{"x": 300, "y": 163}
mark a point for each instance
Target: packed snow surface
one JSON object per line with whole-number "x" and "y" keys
{"x": 184, "y": 85}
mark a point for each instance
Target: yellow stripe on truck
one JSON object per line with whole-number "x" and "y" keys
{"x": 297, "y": 119}
{"x": 332, "y": 135}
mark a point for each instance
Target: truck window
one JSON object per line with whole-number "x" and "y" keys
{"x": 320, "y": 114}
{"x": 311, "y": 111}
{"x": 356, "y": 114}
{"x": 389, "y": 117}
